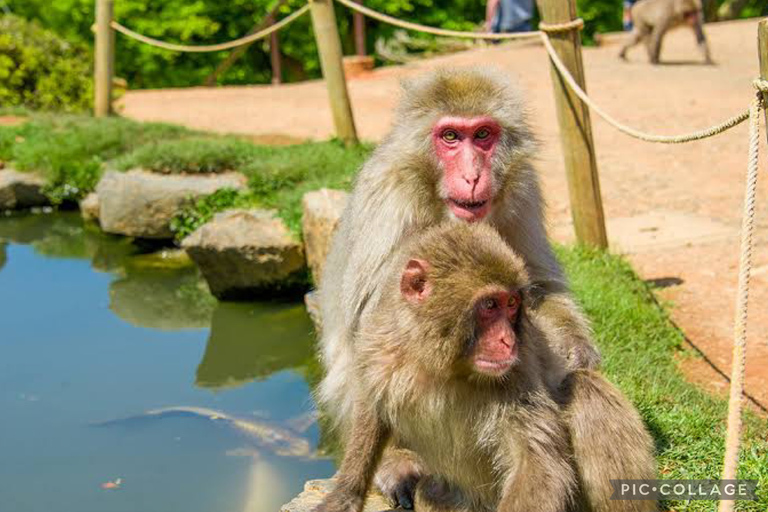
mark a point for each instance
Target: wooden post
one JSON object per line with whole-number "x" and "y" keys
{"x": 104, "y": 59}
{"x": 274, "y": 55}
{"x": 762, "y": 51}
{"x": 575, "y": 129}
{"x": 358, "y": 22}
{"x": 329, "y": 48}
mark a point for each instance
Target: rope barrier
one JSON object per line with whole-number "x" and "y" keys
{"x": 432, "y": 30}
{"x": 648, "y": 137}
{"x": 211, "y": 47}
{"x": 735, "y": 400}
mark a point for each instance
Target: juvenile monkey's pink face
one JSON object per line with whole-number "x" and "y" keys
{"x": 465, "y": 147}
{"x": 497, "y": 346}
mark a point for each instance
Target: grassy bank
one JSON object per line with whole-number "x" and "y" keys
{"x": 73, "y": 151}
{"x": 639, "y": 345}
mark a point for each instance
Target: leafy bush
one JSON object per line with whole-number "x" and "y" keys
{"x": 41, "y": 70}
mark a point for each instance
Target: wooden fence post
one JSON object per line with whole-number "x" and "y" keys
{"x": 274, "y": 54}
{"x": 762, "y": 51}
{"x": 575, "y": 129}
{"x": 103, "y": 68}
{"x": 329, "y": 48}
{"x": 358, "y": 23}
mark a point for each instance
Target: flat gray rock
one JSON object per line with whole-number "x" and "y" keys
{"x": 21, "y": 190}
{"x": 314, "y": 490}
{"x": 322, "y": 211}
{"x": 243, "y": 253}
{"x": 141, "y": 204}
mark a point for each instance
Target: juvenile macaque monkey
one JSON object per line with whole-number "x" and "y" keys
{"x": 450, "y": 365}
{"x": 651, "y": 19}
{"x": 460, "y": 150}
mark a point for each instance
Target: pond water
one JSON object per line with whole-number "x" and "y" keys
{"x": 118, "y": 367}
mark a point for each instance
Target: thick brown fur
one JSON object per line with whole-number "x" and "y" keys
{"x": 652, "y": 19}
{"x": 397, "y": 194}
{"x": 491, "y": 443}
{"x": 609, "y": 441}
{"x": 486, "y": 443}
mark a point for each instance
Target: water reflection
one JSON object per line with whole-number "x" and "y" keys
{"x": 162, "y": 299}
{"x": 216, "y": 396}
{"x": 252, "y": 341}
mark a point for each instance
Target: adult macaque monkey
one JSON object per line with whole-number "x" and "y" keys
{"x": 651, "y": 19}
{"x": 460, "y": 150}
{"x": 450, "y": 365}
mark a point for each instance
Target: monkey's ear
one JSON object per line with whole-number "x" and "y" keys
{"x": 413, "y": 283}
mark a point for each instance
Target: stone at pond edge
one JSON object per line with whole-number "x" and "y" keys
{"x": 141, "y": 203}
{"x": 314, "y": 490}
{"x": 322, "y": 211}
{"x": 21, "y": 190}
{"x": 243, "y": 253}
{"x": 89, "y": 207}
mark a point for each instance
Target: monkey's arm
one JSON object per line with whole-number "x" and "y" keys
{"x": 556, "y": 313}
{"x": 362, "y": 453}
{"x": 553, "y": 309}
{"x": 541, "y": 477}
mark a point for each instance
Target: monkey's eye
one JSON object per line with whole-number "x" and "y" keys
{"x": 489, "y": 304}
{"x": 450, "y": 135}
{"x": 482, "y": 133}
{"x": 514, "y": 301}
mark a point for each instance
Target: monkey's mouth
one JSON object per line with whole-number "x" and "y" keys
{"x": 469, "y": 210}
{"x": 496, "y": 367}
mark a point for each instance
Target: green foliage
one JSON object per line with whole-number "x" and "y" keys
{"x": 203, "y": 210}
{"x": 70, "y": 150}
{"x": 40, "y": 70}
{"x": 190, "y": 155}
{"x": 209, "y": 21}
{"x": 640, "y": 348}
{"x": 599, "y": 16}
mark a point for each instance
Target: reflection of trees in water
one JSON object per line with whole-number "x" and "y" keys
{"x": 253, "y": 340}
{"x": 65, "y": 235}
{"x": 3, "y": 257}
{"x": 162, "y": 299}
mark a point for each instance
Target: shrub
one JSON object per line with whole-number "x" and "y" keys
{"x": 40, "y": 70}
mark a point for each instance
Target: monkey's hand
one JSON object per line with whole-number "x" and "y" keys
{"x": 397, "y": 476}
{"x": 566, "y": 327}
{"x": 584, "y": 355}
{"x": 340, "y": 501}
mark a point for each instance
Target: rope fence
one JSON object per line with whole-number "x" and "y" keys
{"x": 329, "y": 48}
{"x": 211, "y": 47}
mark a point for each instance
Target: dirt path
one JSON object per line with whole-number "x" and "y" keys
{"x": 674, "y": 210}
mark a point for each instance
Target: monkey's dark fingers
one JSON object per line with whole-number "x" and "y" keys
{"x": 404, "y": 495}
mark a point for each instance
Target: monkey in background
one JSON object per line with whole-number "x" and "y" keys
{"x": 450, "y": 365}
{"x": 460, "y": 150}
{"x": 652, "y": 19}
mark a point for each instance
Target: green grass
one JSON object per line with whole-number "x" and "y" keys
{"x": 639, "y": 346}
{"x": 73, "y": 151}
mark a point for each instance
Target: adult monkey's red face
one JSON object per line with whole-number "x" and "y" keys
{"x": 464, "y": 147}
